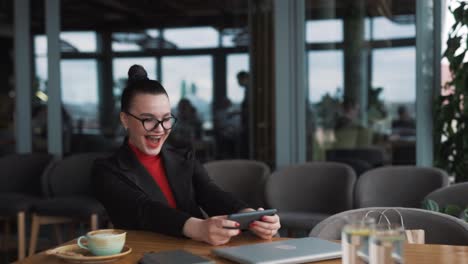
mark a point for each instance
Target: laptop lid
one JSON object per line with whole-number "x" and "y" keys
{"x": 286, "y": 251}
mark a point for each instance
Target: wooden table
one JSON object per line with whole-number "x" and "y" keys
{"x": 142, "y": 242}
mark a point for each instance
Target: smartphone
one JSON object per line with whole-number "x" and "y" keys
{"x": 244, "y": 219}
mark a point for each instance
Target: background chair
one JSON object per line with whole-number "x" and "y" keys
{"x": 308, "y": 193}
{"x": 456, "y": 194}
{"x": 360, "y": 159}
{"x": 245, "y": 179}
{"x": 439, "y": 228}
{"x": 20, "y": 179}
{"x": 84, "y": 143}
{"x": 404, "y": 186}
{"x": 359, "y": 166}
{"x": 403, "y": 152}
{"x": 67, "y": 184}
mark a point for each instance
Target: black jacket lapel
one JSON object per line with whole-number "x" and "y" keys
{"x": 178, "y": 172}
{"x": 133, "y": 170}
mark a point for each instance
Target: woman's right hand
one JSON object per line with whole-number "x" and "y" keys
{"x": 211, "y": 230}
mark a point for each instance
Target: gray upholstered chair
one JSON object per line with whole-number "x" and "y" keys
{"x": 372, "y": 156}
{"x": 306, "y": 194}
{"x": 20, "y": 179}
{"x": 67, "y": 186}
{"x": 456, "y": 194}
{"x": 404, "y": 186}
{"x": 245, "y": 179}
{"x": 439, "y": 228}
{"x": 360, "y": 159}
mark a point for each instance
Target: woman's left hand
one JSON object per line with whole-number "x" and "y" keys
{"x": 267, "y": 227}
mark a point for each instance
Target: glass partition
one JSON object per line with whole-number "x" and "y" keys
{"x": 361, "y": 82}
{"x": 196, "y": 56}
{"x": 190, "y": 38}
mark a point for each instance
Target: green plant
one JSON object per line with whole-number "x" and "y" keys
{"x": 450, "y": 209}
{"x": 328, "y": 109}
{"x": 451, "y": 109}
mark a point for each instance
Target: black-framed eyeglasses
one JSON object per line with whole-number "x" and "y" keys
{"x": 149, "y": 124}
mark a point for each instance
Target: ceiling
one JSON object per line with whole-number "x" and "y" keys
{"x": 130, "y": 15}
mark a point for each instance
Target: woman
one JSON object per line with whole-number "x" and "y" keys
{"x": 152, "y": 186}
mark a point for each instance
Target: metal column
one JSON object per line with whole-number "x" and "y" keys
{"x": 290, "y": 82}
{"x": 54, "y": 113}
{"x": 22, "y": 77}
{"x": 427, "y": 66}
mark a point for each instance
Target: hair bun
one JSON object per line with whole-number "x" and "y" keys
{"x": 137, "y": 73}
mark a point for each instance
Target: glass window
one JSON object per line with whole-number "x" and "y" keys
{"x": 189, "y": 38}
{"x": 393, "y": 71}
{"x": 330, "y": 30}
{"x": 235, "y": 64}
{"x": 325, "y": 82}
{"x": 128, "y": 41}
{"x": 117, "y": 46}
{"x": 234, "y": 37}
{"x": 149, "y": 39}
{"x": 69, "y": 42}
{"x": 190, "y": 77}
{"x": 41, "y": 73}
{"x": 81, "y": 41}
{"x": 355, "y": 94}
{"x": 383, "y": 28}
{"x": 325, "y": 74}
{"x": 80, "y": 91}
{"x": 154, "y": 33}
{"x": 189, "y": 83}
{"x": 40, "y": 45}
{"x": 79, "y": 84}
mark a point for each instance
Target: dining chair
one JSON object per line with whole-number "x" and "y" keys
{"x": 245, "y": 179}
{"x": 456, "y": 194}
{"x": 67, "y": 186}
{"x": 438, "y": 228}
{"x": 307, "y": 193}
{"x": 360, "y": 159}
{"x": 404, "y": 186}
{"x": 20, "y": 179}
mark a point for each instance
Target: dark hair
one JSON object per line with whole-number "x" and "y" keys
{"x": 401, "y": 110}
{"x": 138, "y": 83}
{"x": 349, "y": 104}
{"x": 242, "y": 75}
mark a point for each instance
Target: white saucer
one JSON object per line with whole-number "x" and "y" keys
{"x": 75, "y": 254}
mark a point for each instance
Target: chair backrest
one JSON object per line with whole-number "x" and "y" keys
{"x": 439, "y": 228}
{"x": 373, "y": 156}
{"x": 404, "y": 186}
{"x": 22, "y": 172}
{"x": 84, "y": 143}
{"x": 245, "y": 179}
{"x": 456, "y": 194}
{"x": 359, "y": 166}
{"x": 70, "y": 176}
{"x": 319, "y": 187}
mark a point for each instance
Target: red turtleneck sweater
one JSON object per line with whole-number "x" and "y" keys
{"x": 155, "y": 167}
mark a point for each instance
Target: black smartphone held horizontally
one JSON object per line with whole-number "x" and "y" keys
{"x": 244, "y": 219}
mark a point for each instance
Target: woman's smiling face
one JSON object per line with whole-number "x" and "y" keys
{"x": 147, "y": 106}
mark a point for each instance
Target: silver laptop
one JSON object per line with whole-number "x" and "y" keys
{"x": 298, "y": 250}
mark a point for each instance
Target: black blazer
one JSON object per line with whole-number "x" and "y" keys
{"x": 133, "y": 200}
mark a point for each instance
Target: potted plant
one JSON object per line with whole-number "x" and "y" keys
{"x": 451, "y": 107}
{"x": 450, "y": 209}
